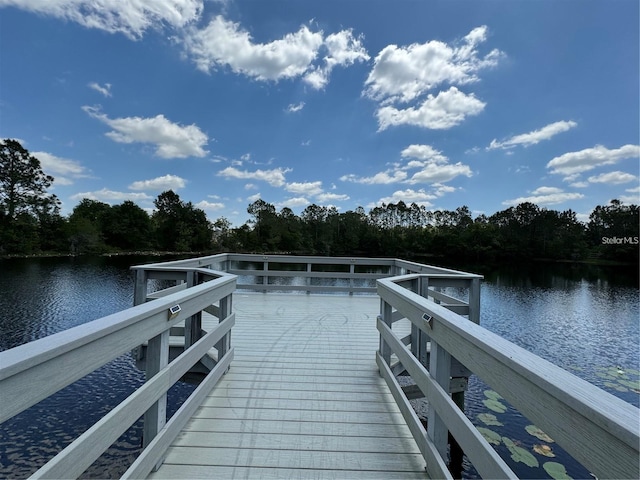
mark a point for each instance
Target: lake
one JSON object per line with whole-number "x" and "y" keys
{"x": 583, "y": 318}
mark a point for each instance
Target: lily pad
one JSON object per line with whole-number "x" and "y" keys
{"x": 536, "y": 432}
{"x": 490, "y": 436}
{"x": 494, "y": 405}
{"x": 632, "y": 384}
{"x": 544, "y": 450}
{"x": 489, "y": 419}
{"x": 519, "y": 454}
{"x": 556, "y": 470}
{"x": 616, "y": 386}
{"x": 493, "y": 395}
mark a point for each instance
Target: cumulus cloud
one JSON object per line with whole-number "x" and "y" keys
{"x": 275, "y": 177}
{"x": 425, "y": 165}
{"x": 402, "y": 74}
{"x": 419, "y": 197}
{"x": 343, "y": 49}
{"x": 382, "y": 178}
{"x": 534, "y": 137}
{"x": 293, "y": 108}
{"x": 131, "y": 18}
{"x": 166, "y": 182}
{"x": 305, "y": 188}
{"x": 209, "y": 206}
{"x": 294, "y": 202}
{"x": 331, "y": 197}
{"x": 171, "y": 140}
{"x": 632, "y": 197}
{"x": 402, "y": 78}
{"x": 63, "y": 170}
{"x": 110, "y": 196}
{"x": 543, "y": 196}
{"x": 224, "y": 43}
{"x": 573, "y": 163}
{"x": 445, "y": 110}
{"x": 434, "y": 173}
{"x": 104, "y": 90}
{"x": 425, "y": 153}
{"x": 613, "y": 178}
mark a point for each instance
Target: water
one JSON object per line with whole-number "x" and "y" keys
{"x": 584, "y": 319}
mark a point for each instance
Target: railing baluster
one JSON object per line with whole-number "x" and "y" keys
{"x": 385, "y": 313}
{"x": 156, "y": 359}
{"x": 439, "y": 368}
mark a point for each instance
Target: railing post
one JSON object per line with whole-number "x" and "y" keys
{"x": 422, "y": 338}
{"x": 440, "y": 370}
{"x": 309, "y": 269}
{"x": 474, "y": 300}
{"x": 352, "y": 272}
{"x": 157, "y": 358}
{"x": 265, "y": 275}
{"x": 139, "y": 287}
{"x": 193, "y": 324}
{"x": 224, "y": 310}
{"x": 385, "y": 314}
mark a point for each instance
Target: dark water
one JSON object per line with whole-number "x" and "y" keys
{"x": 584, "y": 319}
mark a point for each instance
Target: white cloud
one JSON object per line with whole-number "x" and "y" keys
{"x": 104, "y": 90}
{"x": 131, "y": 18}
{"x": 331, "y": 197}
{"x": 62, "y": 169}
{"x": 633, "y": 197}
{"x": 425, "y": 153}
{"x": 172, "y": 140}
{"x": 253, "y": 198}
{"x": 402, "y": 74}
{"x": 293, "y": 108}
{"x": 223, "y": 43}
{"x": 275, "y": 177}
{"x": 434, "y": 173}
{"x": 382, "y": 178}
{"x": 343, "y": 49}
{"x": 294, "y": 202}
{"x": 110, "y": 196}
{"x": 534, "y": 137}
{"x": 613, "y": 178}
{"x": 447, "y": 109}
{"x": 209, "y": 206}
{"x": 419, "y": 197}
{"x": 545, "y": 196}
{"x": 306, "y": 188}
{"x": 574, "y": 163}
{"x": 166, "y": 182}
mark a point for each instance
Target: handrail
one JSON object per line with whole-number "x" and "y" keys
{"x": 598, "y": 429}
{"x": 31, "y": 372}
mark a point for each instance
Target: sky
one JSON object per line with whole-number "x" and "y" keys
{"x": 484, "y": 104}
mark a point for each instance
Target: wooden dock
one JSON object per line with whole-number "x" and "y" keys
{"x": 303, "y": 398}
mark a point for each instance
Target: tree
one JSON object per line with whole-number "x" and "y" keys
{"x": 23, "y": 184}
{"x": 180, "y": 226}
{"x": 127, "y": 226}
{"x": 23, "y": 199}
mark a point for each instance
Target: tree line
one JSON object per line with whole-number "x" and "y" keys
{"x": 31, "y": 223}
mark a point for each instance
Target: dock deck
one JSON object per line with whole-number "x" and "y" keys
{"x": 303, "y": 398}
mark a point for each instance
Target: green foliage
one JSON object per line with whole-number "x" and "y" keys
{"x": 536, "y": 432}
{"x": 556, "y": 471}
{"x": 490, "y": 436}
{"x": 519, "y": 454}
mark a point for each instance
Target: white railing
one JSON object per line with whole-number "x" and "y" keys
{"x": 32, "y": 372}
{"x": 599, "y": 430}
{"x": 313, "y": 274}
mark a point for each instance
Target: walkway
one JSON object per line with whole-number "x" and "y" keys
{"x": 303, "y": 398}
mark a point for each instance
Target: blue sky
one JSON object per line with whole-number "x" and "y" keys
{"x": 338, "y": 103}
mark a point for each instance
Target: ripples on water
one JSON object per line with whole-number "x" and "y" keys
{"x": 39, "y": 297}
{"x": 573, "y": 317}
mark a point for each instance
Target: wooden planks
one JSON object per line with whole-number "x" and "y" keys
{"x": 303, "y": 398}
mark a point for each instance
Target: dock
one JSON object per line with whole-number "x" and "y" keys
{"x": 302, "y": 399}
{"x": 298, "y": 360}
